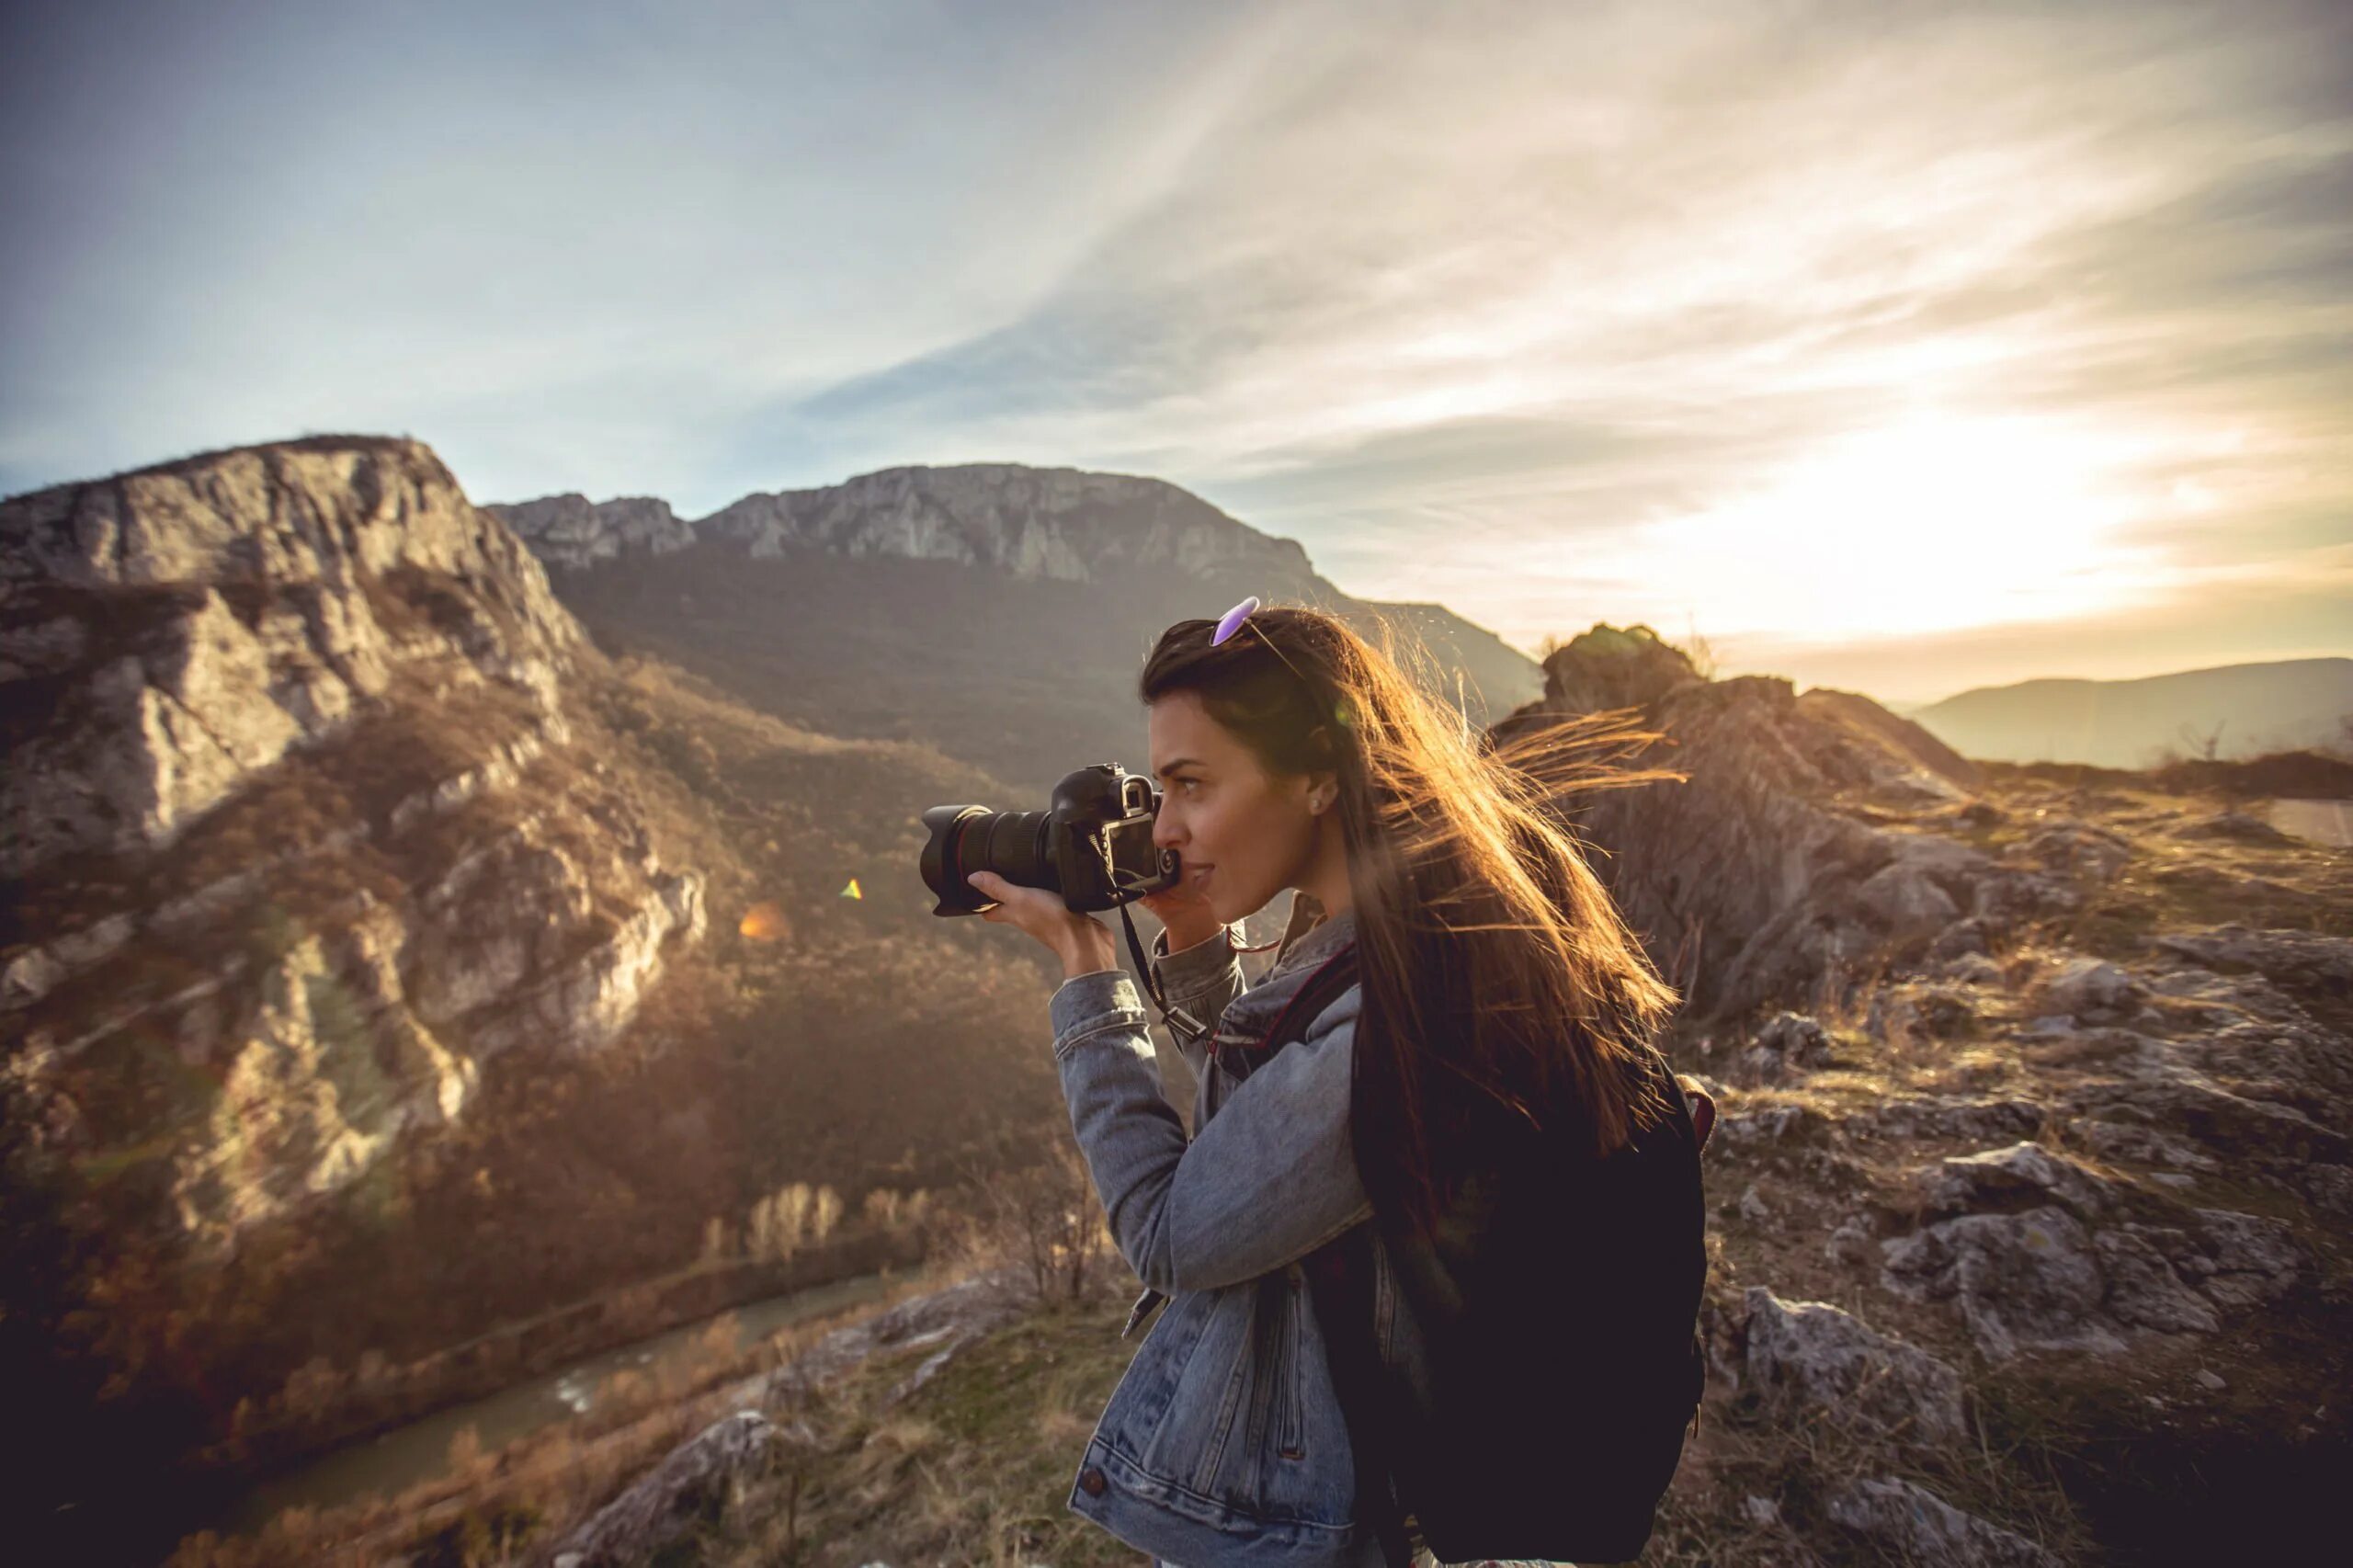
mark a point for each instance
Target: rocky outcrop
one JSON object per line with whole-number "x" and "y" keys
{"x": 571, "y": 531}
{"x": 2042, "y": 1252}
{"x": 1809, "y": 1355}
{"x": 660, "y": 1508}
{"x": 1809, "y": 833}
{"x": 171, "y": 633}
{"x": 292, "y": 793}
{"x": 768, "y": 1417}
{"x": 1908, "y": 1523}
{"x": 1030, "y": 522}
{"x": 2050, "y": 1083}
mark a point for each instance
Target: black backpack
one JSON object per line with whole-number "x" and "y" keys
{"x": 1564, "y": 1341}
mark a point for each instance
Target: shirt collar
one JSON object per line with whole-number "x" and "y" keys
{"x": 1311, "y": 936}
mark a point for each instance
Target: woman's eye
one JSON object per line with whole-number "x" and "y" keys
{"x": 1186, "y": 783}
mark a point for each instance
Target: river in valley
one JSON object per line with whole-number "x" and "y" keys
{"x": 392, "y": 1462}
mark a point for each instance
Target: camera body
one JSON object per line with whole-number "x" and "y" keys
{"x": 1093, "y": 845}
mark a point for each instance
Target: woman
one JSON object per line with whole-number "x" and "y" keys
{"x": 1498, "y": 986}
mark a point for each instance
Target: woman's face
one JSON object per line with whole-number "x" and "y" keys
{"x": 1243, "y": 836}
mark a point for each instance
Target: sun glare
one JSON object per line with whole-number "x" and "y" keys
{"x": 1928, "y": 526}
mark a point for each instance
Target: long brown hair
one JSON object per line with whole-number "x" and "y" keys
{"x": 1493, "y": 960}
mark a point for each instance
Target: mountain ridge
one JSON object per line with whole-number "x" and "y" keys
{"x": 852, "y": 606}
{"x": 2248, "y": 709}
{"x": 927, "y": 511}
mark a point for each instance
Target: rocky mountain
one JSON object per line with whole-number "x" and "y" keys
{"x": 573, "y": 531}
{"x": 1058, "y": 523}
{"x": 2246, "y": 711}
{"x": 1028, "y": 522}
{"x": 367, "y": 1036}
{"x": 189, "y": 647}
{"x": 998, "y": 612}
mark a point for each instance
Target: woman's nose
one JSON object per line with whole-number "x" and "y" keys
{"x": 1165, "y": 835}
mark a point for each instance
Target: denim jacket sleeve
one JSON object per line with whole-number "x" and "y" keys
{"x": 1198, "y": 982}
{"x": 1269, "y": 1179}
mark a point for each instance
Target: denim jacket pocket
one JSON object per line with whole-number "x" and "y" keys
{"x": 1290, "y": 1422}
{"x": 1236, "y": 1435}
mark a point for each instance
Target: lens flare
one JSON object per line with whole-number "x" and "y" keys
{"x": 764, "y": 923}
{"x": 851, "y": 891}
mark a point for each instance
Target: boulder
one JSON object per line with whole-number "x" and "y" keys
{"x": 1771, "y": 1125}
{"x": 1911, "y": 1525}
{"x": 643, "y": 1520}
{"x": 1923, "y": 1010}
{"x": 2255, "y": 1259}
{"x": 2079, "y": 849}
{"x": 2023, "y": 1175}
{"x": 2143, "y": 1290}
{"x": 2091, "y": 989}
{"x": 2024, "y": 1282}
{"x": 1809, "y": 1353}
{"x": 1787, "y": 1045}
{"x": 1906, "y": 898}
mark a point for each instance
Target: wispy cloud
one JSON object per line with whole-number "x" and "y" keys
{"x": 1814, "y": 329}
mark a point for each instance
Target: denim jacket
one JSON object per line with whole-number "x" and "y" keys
{"x": 1224, "y": 1442}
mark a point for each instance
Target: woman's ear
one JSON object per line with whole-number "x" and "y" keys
{"x": 1324, "y": 787}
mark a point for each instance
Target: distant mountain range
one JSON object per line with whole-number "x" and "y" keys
{"x": 2246, "y": 711}
{"x": 998, "y": 612}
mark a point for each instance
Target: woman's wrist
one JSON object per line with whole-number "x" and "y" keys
{"x": 1089, "y": 950}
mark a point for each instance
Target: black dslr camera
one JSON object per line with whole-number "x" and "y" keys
{"x": 1093, "y": 846}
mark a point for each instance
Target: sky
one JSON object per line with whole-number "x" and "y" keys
{"x": 1899, "y": 348}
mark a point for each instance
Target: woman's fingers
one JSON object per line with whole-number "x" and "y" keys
{"x": 1016, "y": 906}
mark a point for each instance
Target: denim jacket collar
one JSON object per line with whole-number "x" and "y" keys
{"x": 1310, "y": 939}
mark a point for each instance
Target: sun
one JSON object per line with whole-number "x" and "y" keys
{"x": 1929, "y": 524}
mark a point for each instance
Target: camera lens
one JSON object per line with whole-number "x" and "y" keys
{"x": 964, "y": 839}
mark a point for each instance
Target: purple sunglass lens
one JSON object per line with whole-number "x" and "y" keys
{"x": 1231, "y": 621}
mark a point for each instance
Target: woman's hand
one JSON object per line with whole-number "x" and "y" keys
{"x": 1186, "y": 914}
{"x": 1081, "y": 941}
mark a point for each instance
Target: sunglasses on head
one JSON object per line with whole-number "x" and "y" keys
{"x": 1233, "y": 621}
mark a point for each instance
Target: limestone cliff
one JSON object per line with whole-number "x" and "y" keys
{"x": 573, "y": 531}
{"x": 1061, "y": 523}
{"x": 297, "y": 831}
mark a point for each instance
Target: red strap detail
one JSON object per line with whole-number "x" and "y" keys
{"x": 1272, "y": 1035}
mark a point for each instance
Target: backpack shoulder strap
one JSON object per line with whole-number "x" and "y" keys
{"x": 1339, "y": 1287}
{"x": 1325, "y": 986}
